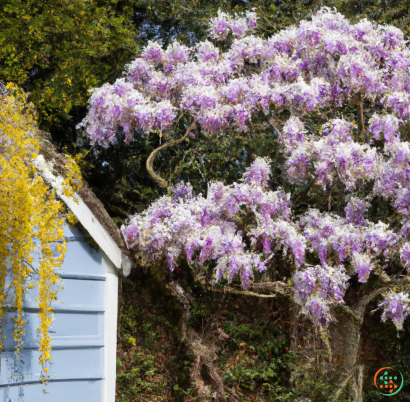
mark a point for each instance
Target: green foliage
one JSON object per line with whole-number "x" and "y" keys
{"x": 58, "y": 50}
{"x": 319, "y": 391}
{"x": 384, "y": 346}
{"x": 392, "y": 12}
{"x": 120, "y": 180}
{"x": 150, "y": 363}
{"x": 142, "y": 378}
{"x": 167, "y": 20}
{"x": 254, "y": 356}
{"x": 257, "y": 360}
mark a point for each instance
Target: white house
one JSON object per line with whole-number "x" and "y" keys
{"x": 84, "y": 329}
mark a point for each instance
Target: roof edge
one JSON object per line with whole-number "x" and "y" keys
{"x": 94, "y": 228}
{"x": 87, "y": 208}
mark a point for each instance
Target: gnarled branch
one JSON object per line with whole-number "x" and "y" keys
{"x": 227, "y": 289}
{"x": 364, "y": 301}
{"x": 262, "y": 290}
{"x": 150, "y": 161}
{"x": 272, "y": 287}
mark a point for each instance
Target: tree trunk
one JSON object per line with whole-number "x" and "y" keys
{"x": 345, "y": 340}
{"x": 359, "y": 382}
{"x": 203, "y": 370}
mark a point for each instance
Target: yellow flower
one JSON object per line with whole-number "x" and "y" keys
{"x": 28, "y": 211}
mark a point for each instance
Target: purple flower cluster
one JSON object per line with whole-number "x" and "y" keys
{"x": 323, "y": 62}
{"x": 355, "y": 210}
{"x": 206, "y": 229}
{"x": 223, "y": 24}
{"x": 259, "y": 173}
{"x": 359, "y": 242}
{"x": 393, "y": 181}
{"x": 405, "y": 255}
{"x": 122, "y": 106}
{"x": 387, "y": 125}
{"x": 316, "y": 288}
{"x": 396, "y": 307}
{"x": 363, "y": 266}
{"x": 334, "y": 155}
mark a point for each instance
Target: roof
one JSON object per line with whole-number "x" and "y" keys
{"x": 89, "y": 210}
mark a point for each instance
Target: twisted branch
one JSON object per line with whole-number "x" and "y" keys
{"x": 150, "y": 161}
{"x": 227, "y": 289}
{"x": 263, "y": 290}
{"x": 272, "y": 287}
{"x": 401, "y": 284}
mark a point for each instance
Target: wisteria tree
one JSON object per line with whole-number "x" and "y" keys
{"x": 336, "y": 96}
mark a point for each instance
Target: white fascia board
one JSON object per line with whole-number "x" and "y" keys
{"x": 81, "y": 211}
{"x": 94, "y": 228}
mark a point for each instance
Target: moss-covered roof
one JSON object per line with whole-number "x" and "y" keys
{"x": 50, "y": 153}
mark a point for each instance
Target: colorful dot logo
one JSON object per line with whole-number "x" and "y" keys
{"x": 388, "y": 381}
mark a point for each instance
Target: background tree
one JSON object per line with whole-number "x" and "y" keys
{"x": 58, "y": 50}
{"x": 393, "y": 12}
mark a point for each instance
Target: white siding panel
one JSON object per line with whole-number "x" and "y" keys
{"x": 83, "y": 334}
{"x": 76, "y": 295}
{"x": 67, "y": 330}
{"x": 68, "y": 364}
{"x": 71, "y": 391}
{"x": 82, "y": 259}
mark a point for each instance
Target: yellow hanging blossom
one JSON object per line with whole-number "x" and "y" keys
{"x": 32, "y": 244}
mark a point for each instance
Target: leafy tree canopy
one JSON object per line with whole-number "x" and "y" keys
{"x": 58, "y": 50}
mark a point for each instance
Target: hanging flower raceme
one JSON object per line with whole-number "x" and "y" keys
{"x": 197, "y": 226}
{"x": 32, "y": 244}
{"x": 317, "y": 288}
{"x": 396, "y": 307}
